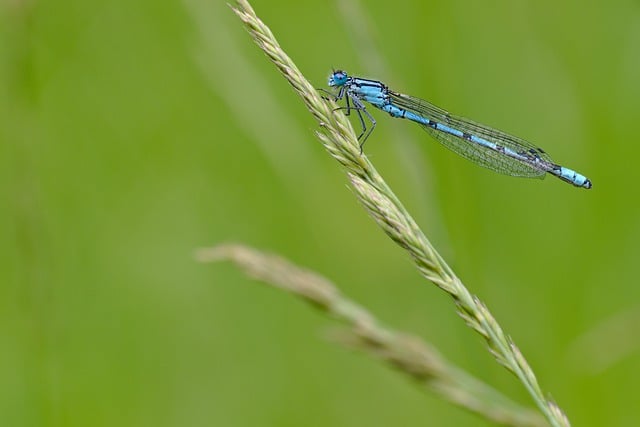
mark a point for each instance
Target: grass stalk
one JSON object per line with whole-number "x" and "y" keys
{"x": 408, "y": 354}
{"x": 385, "y": 208}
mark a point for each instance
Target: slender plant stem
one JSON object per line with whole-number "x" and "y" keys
{"x": 407, "y": 353}
{"x": 381, "y": 203}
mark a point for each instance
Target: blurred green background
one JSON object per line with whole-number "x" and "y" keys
{"x": 134, "y": 132}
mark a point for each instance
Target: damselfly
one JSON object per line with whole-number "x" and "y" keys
{"x": 487, "y": 147}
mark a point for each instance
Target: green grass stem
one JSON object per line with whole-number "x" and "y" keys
{"x": 408, "y": 354}
{"x": 385, "y": 208}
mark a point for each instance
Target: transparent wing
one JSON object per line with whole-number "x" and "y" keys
{"x": 483, "y": 156}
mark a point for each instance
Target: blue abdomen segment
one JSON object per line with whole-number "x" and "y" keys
{"x": 401, "y": 113}
{"x": 571, "y": 176}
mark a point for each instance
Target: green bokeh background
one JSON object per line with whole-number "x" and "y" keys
{"x": 134, "y": 132}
